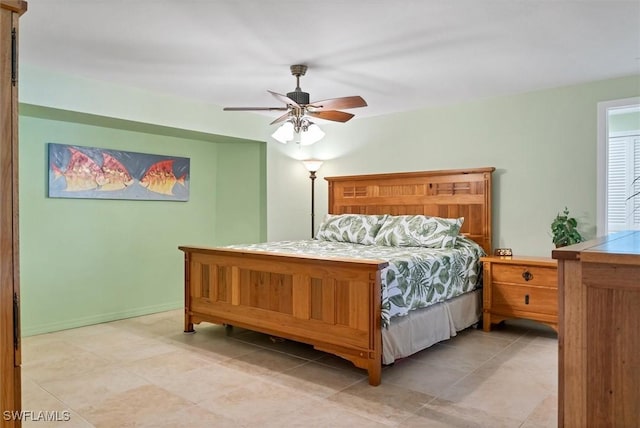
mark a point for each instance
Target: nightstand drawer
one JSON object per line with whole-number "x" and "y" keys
{"x": 507, "y": 298}
{"x": 523, "y": 274}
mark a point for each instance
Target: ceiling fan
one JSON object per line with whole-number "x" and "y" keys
{"x": 298, "y": 109}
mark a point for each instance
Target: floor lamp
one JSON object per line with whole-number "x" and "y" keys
{"x": 312, "y": 166}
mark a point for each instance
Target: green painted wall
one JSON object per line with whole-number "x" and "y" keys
{"x": 85, "y": 261}
{"x": 543, "y": 144}
{"x": 241, "y": 194}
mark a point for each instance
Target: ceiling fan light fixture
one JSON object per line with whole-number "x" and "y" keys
{"x": 311, "y": 135}
{"x": 284, "y": 133}
{"x": 297, "y": 125}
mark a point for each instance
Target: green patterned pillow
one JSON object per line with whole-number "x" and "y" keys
{"x": 419, "y": 231}
{"x": 354, "y": 228}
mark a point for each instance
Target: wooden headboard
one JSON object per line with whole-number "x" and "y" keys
{"x": 448, "y": 193}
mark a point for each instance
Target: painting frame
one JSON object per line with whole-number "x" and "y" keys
{"x": 82, "y": 172}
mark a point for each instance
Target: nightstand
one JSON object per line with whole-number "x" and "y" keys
{"x": 519, "y": 287}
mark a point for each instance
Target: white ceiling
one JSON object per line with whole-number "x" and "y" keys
{"x": 398, "y": 56}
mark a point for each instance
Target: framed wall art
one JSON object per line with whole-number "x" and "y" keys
{"x": 94, "y": 173}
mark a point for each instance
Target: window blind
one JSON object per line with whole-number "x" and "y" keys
{"x": 623, "y": 166}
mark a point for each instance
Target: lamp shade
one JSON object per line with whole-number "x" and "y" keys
{"x": 312, "y": 165}
{"x": 312, "y": 135}
{"x": 284, "y": 133}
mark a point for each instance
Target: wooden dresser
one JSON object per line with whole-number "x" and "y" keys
{"x": 519, "y": 287}
{"x": 599, "y": 332}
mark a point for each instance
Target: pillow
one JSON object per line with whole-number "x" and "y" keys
{"x": 419, "y": 231}
{"x": 354, "y": 228}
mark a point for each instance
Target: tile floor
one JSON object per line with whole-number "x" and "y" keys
{"x": 145, "y": 372}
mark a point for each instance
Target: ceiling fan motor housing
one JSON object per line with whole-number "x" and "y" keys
{"x": 299, "y": 97}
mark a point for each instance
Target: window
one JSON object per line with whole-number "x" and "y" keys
{"x": 618, "y": 165}
{"x": 623, "y": 167}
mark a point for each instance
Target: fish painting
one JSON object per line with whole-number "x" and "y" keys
{"x": 114, "y": 175}
{"x": 81, "y": 173}
{"x": 159, "y": 178}
{"x": 95, "y": 173}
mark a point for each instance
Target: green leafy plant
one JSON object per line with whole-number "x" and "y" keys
{"x": 564, "y": 230}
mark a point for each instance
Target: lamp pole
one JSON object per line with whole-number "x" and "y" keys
{"x": 312, "y": 166}
{"x": 312, "y": 176}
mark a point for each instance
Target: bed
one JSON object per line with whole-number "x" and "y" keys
{"x": 335, "y": 301}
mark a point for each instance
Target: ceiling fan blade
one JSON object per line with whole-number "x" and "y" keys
{"x": 338, "y": 103}
{"x": 285, "y": 99}
{"x": 254, "y": 108}
{"x": 280, "y": 119}
{"x": 335, "y": 115}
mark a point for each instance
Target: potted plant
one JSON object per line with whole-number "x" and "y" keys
{"x": 563, "y": 229}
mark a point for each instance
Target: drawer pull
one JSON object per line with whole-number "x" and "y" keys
{"x": 526, "y": 299}
{"x": 528, "y": 276}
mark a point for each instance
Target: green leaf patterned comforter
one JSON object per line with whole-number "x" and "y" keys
{"x": 416, "y": 276}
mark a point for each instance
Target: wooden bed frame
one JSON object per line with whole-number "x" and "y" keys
{"x": 332, "y": 304}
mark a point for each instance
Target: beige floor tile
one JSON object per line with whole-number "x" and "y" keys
{"x": 143, "y": 406}
{"x": 506, "y": 393}
{"x": 291, "y": 347}
{"x": 91, "y": 331}
{"x": 156, "y": 326}
{"x": 441, "y": 413}
{"x": 146, "y": 372}
{"x": 205, "y": 383}
{"x": 37, "y": 349}
{"x": 104, "y": 383}
{"x": 190, "y": 417}
{"x": 158, "y": 367}
{"x": 321, "y": 415}
{"x": 466, "y": 358}
{"x": 103, "y": 341}
{"x": 423, "y": 376}
{"x": 137, "y": 350}
{"x": 86, "y": 331}
{"x": 256, "y": 402}
{"x": 343, "y": 364}
{"x": 387, "y": 403}
{"x": 545, "y": 415}
{"x": 513, "y": 328}
{"x": 485, "y": 342}
{"x": 525, "y": 357}
{"x": 35, "y": 400}
{"x": 317, "y": 379}
{"x": 212, "y": 344}
{"x": 33, "y": 395}
{"x": 75, "y": 362}
{"x": 264, "y": 361}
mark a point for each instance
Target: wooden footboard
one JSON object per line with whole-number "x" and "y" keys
{"x": 332, "y": 304}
